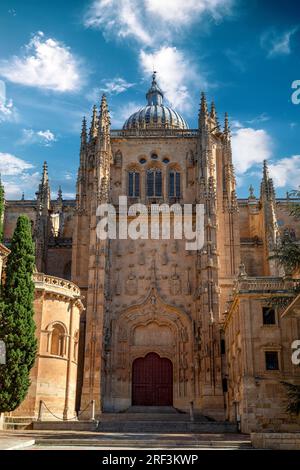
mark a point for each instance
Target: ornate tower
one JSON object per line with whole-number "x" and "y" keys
{"x": 270, "y": 230}
{"x": 90, "y": 265}
{"x": 42, "y": 221}
{"x": 217, "y": 263}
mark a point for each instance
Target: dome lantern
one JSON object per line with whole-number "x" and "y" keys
{"x": 155, "y": 114}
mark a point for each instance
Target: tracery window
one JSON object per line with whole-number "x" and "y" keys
{"x": 174, "y": 184}
{"x": 133, "y": 184}
{"x": 154, "y": 182}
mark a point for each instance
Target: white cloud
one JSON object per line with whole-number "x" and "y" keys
{"x": 44, "y": 63}
{"x": 277, "y": 43}
{"x": 10, "y": 165}
{"x": 16, "y": 176}
{"x": 174, "y": 12}
{"x": 112, "y": 86}
{"x": 148, "y": 21}
{"x": 263, "y": 117}
{"x": 45, "y": 138}
{"x": 119, "y": 115}
{"x": 24, "y": 183}
{"x": 8, "y": 111}
{"x": 176, "y": 74}
{"x": 115, "y": 86}
{"x": 285, "y": 172}
{"x": 250, "y": 147}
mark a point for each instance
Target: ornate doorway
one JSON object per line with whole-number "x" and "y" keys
{"x": 152, "y": 381}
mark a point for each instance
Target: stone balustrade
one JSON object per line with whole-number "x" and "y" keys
{"x": 154, "y": 132}
{"x": 56, "y": 285}
{"x": 266, "y": 285}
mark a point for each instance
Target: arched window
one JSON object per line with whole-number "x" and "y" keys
{"x": 154, "y": 182}
{"x": 174, "y": 184}
{"x": 57, "y": 340}
{"x": 133, "y": 184}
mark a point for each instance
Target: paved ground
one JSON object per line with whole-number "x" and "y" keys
{"x": 54, "y": 440}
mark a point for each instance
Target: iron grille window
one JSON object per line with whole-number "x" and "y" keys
{"x": 272, "y": 362}
{"x": 269, "y": 316}
{"x": 133, "y": 184}
{"x": 154, "y": 183}
{"x": 174, "y": 184}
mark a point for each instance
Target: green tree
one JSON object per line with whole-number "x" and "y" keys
{"x": 288, "y": 251}
{"x": 288, "y": 256}
{"x": 2, "y": 202}
{"x": 293, "y": 398}
{"x": 17, "y": 325}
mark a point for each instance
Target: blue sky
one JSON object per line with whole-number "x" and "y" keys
{"x": 57, "y": 58}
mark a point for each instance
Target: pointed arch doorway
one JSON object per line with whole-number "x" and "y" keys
{"x": 152, "y": 381}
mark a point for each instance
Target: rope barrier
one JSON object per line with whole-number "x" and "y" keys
{"x": 67, "y": 419}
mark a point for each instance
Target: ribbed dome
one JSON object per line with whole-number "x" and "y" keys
{"x": 155, "y": 114}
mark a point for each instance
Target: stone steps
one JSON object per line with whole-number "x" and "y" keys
{"x": 65, "y": 425}
{"x": 155, "y": 441}
{"x": 17, "y": 422}
{"x": 165, "y": 426}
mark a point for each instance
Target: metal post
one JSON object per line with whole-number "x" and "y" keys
{"x": 93, "y": 403}
{"x": 191, "y": 411}
{"x": 40, "y": 410}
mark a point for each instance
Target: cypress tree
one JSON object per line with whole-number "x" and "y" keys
{"x": 2, "y": 202}
{"x": 17, "y": 326}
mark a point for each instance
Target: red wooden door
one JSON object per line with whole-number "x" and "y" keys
{"x": 152, "y": 381}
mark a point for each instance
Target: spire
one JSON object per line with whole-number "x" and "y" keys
{"x": 23, "y": 196}
{"x": 214, "y": 117}
{"x": 43, "y": 193}
{"x": 203, "y": 104}
{"x": 203, "y": 113}
{"x": 265, "y": 171}
{"x": 59, "y": 194}
{"x": 226, "y": 125}
{"x": 83, "y": 131}
{"x": 267, "y": 186}
{"x": 213, "y": 113}
{"x": 154, "y": 95}
{"x": 45, "y": 177}
{"x": 104, "y": 119}
{"x": 251, "y": 192}
{"x": 93, "y": 128}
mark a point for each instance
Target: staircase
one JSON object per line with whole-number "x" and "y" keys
{"x": 151, "y": 419}
{"x": 17, "y": 422}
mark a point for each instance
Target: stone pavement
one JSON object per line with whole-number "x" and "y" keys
{"x": 52, "y": 440}
{"x": 15, "y": 441}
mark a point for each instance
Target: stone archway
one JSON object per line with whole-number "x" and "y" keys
{"x": 152, "y": 381}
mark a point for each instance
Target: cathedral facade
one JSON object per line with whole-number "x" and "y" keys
{"x": 159, "y": 325}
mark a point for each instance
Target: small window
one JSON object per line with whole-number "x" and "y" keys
{"x": 269, "y": 316}
{"x": 223, "y": 346}
{"x": 272, "y": 362}
{"x": 154, "y": 156}
{"x": 174, "y": 184}
{"x": 166, "y": 160}
{"x": 143, "y": 161}
{"x": 133, "y": 184}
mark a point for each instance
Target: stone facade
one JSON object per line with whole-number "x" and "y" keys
{"x": 153, "y": 296}
{"x": 255, "y": 395}
{"x": 57, "y": 307}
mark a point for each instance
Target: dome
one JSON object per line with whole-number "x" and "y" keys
{"x": 155, "y": 114}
